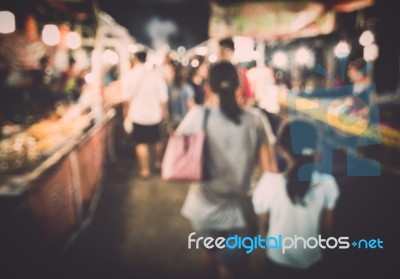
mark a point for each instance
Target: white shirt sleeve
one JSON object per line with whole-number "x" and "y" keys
{"x": 265, "y": 193}
{"x": 331, "y": 191}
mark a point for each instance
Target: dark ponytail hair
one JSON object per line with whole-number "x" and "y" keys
{"x": 224, "y": 81}
{"x": 300, "y": 139}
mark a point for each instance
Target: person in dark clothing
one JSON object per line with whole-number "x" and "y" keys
{"x": 197, "y": 76}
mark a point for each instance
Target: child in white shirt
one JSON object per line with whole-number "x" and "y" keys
{"x": 296, "y": 202}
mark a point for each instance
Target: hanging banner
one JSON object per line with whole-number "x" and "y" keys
{"x": 272, "y": 20}
{"x": 348, "y": 6}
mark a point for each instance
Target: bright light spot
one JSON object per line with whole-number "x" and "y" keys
{"x": 90, "y": 78}
{"x": 304, "y": 56}
{"x": 7, "y": 22}
{"x": 366, "y": 38}
{"x": 201, "y": 50}
{"x": 110, "y": 57}
{"x": 51, "y": 35}
{"x": 342, "y": 50}
{"x": 244, "y": 48}
{"x": 181, "y": 50}
{"x": 280, "y": 59}
{"x": 195, "y": 63}
{"x": 132, "y": 48}
{"x": 371, "y": 52}
{"x": 212, "y": 58}
{"x": 73, "y": 40}
{"x": 185, "y": 62}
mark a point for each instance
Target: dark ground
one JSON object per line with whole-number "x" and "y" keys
{"x": 138, "y": 232}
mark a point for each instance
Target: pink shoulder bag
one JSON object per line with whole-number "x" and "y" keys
{"x": 183, "y": 157}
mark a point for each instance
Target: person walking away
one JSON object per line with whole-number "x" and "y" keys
{"x": 147, "y": 94}
{"x": 226, "y": 50}
{"x": 236, "y": 139}
{"x": 298, "y": 202}
{"x": 181, "y": 96}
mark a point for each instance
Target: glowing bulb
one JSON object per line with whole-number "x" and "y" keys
{"x": 342, "y": 50}
{"x": 212, "y": 58}
{"x": 302, "y": 56}
{"x": 280, "y": 59}
{"x": 73, "y": 40}
{"x": 7, "y": 22}
{"x": 51, "y": 35}
{"x": 185, "y": 62}
{"x": 366, "y": 38}
{"x": 181, "y": 50}
{"x": 371, "y": 52}
{"x": 195, "y": 63}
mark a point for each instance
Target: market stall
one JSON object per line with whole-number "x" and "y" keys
{"x": 56, "y": 128}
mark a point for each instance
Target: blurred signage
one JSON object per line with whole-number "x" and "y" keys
{"x": 275, "y": 20}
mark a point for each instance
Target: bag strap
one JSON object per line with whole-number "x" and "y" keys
{"x": 205, "y": 120}
{"x": 206, "y": 175}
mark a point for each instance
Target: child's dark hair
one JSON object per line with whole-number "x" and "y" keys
{"x": 141, "y": 56}
{"x": 224, "y": 81}
{"x": 299, "y": 138}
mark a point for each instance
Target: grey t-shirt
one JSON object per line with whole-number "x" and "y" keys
{"x": 231, "y": 154}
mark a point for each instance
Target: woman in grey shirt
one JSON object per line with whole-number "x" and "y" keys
{"x": 236, "y": 139}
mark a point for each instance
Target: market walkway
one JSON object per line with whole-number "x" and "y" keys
{"x": 137, "y": 231}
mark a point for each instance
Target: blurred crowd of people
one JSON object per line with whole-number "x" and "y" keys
{"x": 160, "y": 98}
{"x": 244, "y": 135}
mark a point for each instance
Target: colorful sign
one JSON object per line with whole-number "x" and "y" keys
{"x": 277, "y": 20}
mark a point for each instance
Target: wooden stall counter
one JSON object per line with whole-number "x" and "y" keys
{"x": 43, "y": 209}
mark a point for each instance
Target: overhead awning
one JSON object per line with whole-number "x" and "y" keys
{"x": 278, "y": 20}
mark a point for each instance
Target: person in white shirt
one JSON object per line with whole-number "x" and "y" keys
{"x": 296, "y": 202}
{"x": 146, "y": 91}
